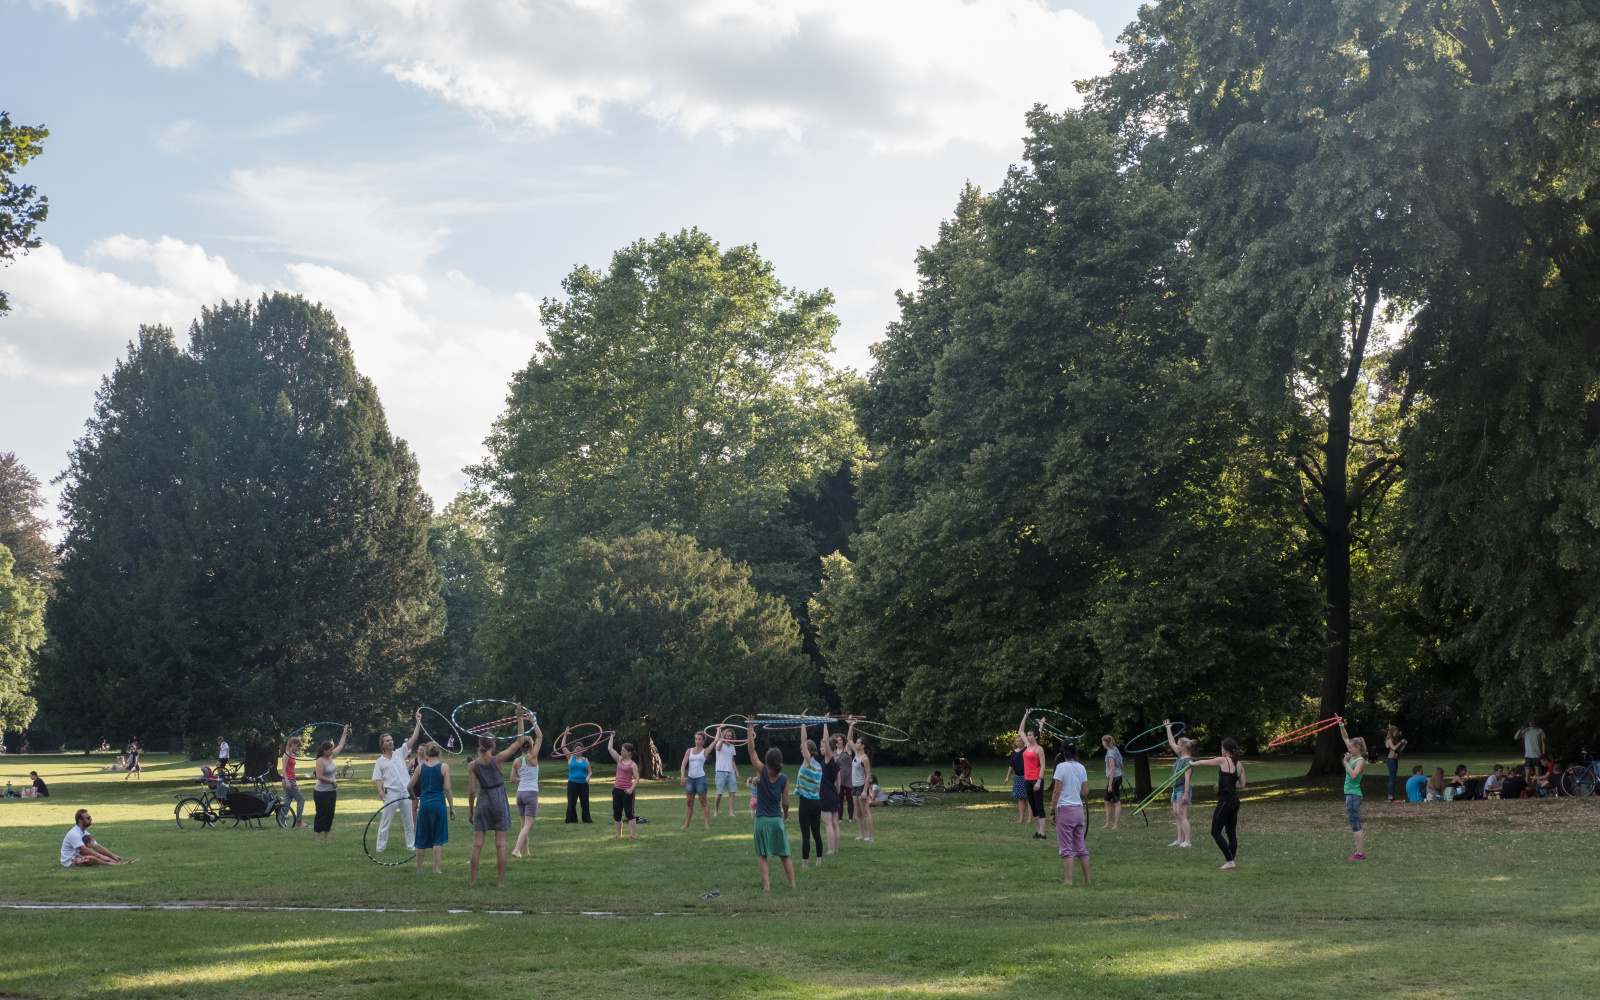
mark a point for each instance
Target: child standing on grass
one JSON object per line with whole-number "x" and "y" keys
{"x": 772, "y": 809}
{"x": 1113, "y": 782}
{"x": 1066, "y": 805}
{"x": 1355, "y": 762}
{"x": 624, "y": 787}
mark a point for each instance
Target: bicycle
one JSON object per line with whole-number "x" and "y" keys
{"x": 1580, "y": 780}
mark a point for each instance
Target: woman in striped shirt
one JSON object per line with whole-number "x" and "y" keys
{"x": 808, "y": 783}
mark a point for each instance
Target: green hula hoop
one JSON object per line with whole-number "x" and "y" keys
{"x": 1165, "y": 785}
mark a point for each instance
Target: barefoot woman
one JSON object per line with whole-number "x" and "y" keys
{"x": 1225, "y": 816}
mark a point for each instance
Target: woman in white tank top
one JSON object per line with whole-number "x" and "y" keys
{"x": 692, "y": 776}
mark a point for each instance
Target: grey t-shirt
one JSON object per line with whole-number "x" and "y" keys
{"x": 325, "y": 775}
{"x": 1530, "y": 742}
{"x": 858, "y": 774}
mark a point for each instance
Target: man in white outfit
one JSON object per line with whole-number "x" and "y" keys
{"x": 390, "y": 776}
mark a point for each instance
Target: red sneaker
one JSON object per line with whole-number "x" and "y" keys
{"x": 1358, "y": 857}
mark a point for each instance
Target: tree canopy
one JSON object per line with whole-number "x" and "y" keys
{"x": 685, "y": 390}
{"x": 1062, "y": 506}
{"x": 246, "y": 542}
{"x": 22, "y": 207}
{"x": 21, "y": 634}
{"x": 22, "y": 530}
{"x": 653, "y": 624}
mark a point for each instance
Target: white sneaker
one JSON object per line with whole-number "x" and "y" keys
{"x": 866, "y": 840}
{"x": 1185, "y": 844}
{"x": 1176, "y": 843}
{"x": 858, "y": 838}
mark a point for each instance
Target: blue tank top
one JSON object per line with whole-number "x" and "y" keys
{"x": 430, "y": 787}
{"x": 578, "y": 769}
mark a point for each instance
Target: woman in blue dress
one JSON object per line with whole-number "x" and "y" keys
{"x": 430, "y": 783}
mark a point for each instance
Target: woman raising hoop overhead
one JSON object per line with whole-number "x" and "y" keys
{"x": 1225, "y": 816}
{"x": 1182, "y": 788}
{"x": 1033, "y": 774}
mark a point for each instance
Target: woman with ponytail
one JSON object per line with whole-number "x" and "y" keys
{"x": 1225, "y": 815}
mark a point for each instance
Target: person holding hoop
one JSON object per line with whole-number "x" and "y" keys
{"x": 772, "y": 809}
{"x": 486, "y": 800}
{"x": 861, "y": 785}
{"x": 577, "y": 786}
{"x": 430, "y": 785}
{"x": 390, "y": 779}
{"x": 1071, "y": 781}
{"x": 842, "y": 758}
{"x": 325, "y": 793}
{"x": 727, "y": 752}
{"x": 1033, "y": 775}
{"x": 1225, "y": 816}
{"x": 1182, "y": 789}
{"x": 828, "y": 790}
{"x": 624, "y": 787}
{"x": 525, "y": 772}
{"x": 1355, "y": 763}
{"x": 808, "y": 785}
{"x": 692, "y": 776}
{"x": 1394, "y": 744}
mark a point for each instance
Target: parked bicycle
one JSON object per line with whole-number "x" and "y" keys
{"x": 220, "y": 799}
{"x": 1580, "y": 779}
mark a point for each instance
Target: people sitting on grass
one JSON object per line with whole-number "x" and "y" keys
{"x": 936, "y": 781}
{"x": 40, "y": 789}
{"x": 1548, "y": 781}
{"x": 1496, "y": 778}
{"x": 1416, "y": 784}
{"x": 1516, "y": 786}
{"x": 1455, "y": 786}
{"x": 79, "y": 850}
{"x": 1436, "y": 785}
{"x": 961, "y": 772}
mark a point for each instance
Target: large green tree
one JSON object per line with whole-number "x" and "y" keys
{"x": 685, "y": 389}
{"x": 22, "y": 207}
{"x": 469, "y": 582}
{"x": 1062, "y": 506}
{"x": 651, "y": 624}
{"x": 1503, "y": 366}
{"x": 22, "y": 530}
{"x": 21, "y": 634}
{"x": 1300, "y": 134}
{"x": 246, "y": 542}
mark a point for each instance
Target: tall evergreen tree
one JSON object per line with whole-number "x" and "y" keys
{"x": 686, "y": 390}
{"x": 22, "y": 530}
{"x": 247, "y": 542}
{"x": 1062, "y": 507}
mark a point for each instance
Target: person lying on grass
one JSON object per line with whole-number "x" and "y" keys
{"x": 79, "y": 850}
{"x": 772, "y": 809}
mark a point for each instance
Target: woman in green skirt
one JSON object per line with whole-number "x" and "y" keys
{"x": 772, "y": 809}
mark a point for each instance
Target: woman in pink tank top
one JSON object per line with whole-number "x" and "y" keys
{"x": 623, "y": 788}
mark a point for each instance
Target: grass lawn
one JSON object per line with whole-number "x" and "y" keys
{"x": 1483, "y": 899}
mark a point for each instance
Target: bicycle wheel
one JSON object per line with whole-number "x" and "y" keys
{"x": 191, "y": 813}
{"x": 285, "y": 815}
{"x": 1578, "y": 780}
{"x": 919, "y": 786}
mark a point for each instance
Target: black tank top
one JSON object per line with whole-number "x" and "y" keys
{"x": 1227, "y": 784}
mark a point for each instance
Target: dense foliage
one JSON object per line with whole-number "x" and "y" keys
{"x": 246, "y": 542}
{"x": 685, "y": 390}
{"x": 22, "y": 530}
{"x": 22, "y": 207}
{"x": 1063, "y": 507}
{"x": 650, "y": 624}
{"x": 21, "y": 634}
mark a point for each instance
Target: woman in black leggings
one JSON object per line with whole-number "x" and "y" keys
{"x": 1225, "y": 816}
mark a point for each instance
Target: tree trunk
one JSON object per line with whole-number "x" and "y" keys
{"x": 261, "y": 760}
{"x": 1336, "y": 544}
{"x": 1141, "y": 775}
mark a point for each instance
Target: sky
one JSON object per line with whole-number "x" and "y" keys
{"x": 431, "y": 169}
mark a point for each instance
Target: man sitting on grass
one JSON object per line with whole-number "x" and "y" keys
{"x": 1491, "y": 784}
{"x": 936, "y": 780}
{"x": 78, "y": 849}
{"x": 1415, "y": 784}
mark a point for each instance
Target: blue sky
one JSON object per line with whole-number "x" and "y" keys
{"x": 431, "y": 169}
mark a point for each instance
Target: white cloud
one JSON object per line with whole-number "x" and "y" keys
{"x": 440, "y": 348}
{"x": 69, "y": 321}
{"x": 904, "y": 74}
{"x": 346, "y": 218}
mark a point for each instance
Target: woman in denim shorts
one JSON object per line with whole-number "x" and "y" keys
{"x": 692, "y": 776}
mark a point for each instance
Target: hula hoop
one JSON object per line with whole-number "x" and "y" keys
{"x": 1128, "y": 747}
{"x": 709, "y": 730}
{"x": 880, "y": 736}
{"x": 1164, "y": 786}
{"x": 1057, "y": 733}
{"x": 307, "y": 743}
{"x": 473, "y": 730}
{"x": 444, "y": 745}
{"x": 797, "y": 722}
{"x": 582, "y": 744}
{"x": 405, "y": 856}
{"x": 1295, "y": 735}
